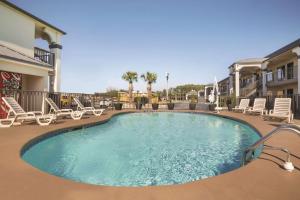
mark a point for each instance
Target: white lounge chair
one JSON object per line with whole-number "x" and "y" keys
{"x": 76, "y": 115}
{"x": 80, "y": 107}
{"x": 244, "y": 104}
{"x": 282, "y": 110}
{"x": 259, "y": 106}
{"x": 16, "y": 115}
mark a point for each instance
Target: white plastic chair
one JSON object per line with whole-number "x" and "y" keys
{"x": 259, "y": 106}
{"x": 282, "y": 110}
{"x": 244, "y": 104}
{"x": 76, "y": 115}
{"x": 16, "y": 115}
{"x": 80, "y": 107}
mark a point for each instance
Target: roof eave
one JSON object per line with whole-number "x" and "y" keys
{"x": 45, "y": 65}
{"x": 284, "y": 49}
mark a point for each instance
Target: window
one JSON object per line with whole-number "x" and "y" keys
{"x": 290, "y": 70}
{"x": 280, "y": 73}
{"x": 269, "y": 76}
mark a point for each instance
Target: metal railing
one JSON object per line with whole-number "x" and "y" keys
{"x": 44, "y": 56}
{"x": 249, "y": 153}
{"x": 33, "y": 100}
{"x": 273, "y": 78}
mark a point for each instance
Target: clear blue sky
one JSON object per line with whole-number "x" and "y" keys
{"x": 194, "y": 40}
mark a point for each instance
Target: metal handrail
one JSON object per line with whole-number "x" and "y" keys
{"x": 288, "y": 127}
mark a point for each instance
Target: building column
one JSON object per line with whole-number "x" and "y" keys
{"x": 55, "y": 80}
{"x": 264, "y": 67}
{"x": 230, "y": 84}
{"x": 264, "y": 83}
{"x": 237, "y": 82}
{"x": 297, "y": 52}
{"x": 298, "y": 69}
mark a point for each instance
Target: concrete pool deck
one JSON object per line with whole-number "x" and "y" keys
{"x": 261, "y": 179}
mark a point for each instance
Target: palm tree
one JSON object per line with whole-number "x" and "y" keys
{"x": 130, "y": 77}
{"x": 150, "y": 78}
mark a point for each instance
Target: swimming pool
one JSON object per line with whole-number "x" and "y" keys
{"x": 142, "y": 149}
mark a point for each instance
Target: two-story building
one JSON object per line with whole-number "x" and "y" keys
{"x": 224, "y": 87}
{"x": 22, "y": 65}
{"x": 276, "y": 74}
{"x": 281, "y": 71}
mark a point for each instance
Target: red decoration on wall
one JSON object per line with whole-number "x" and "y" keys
{"x": 10, "y": 83}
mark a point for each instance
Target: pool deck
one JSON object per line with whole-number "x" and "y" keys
{"x": 261, "y": 179}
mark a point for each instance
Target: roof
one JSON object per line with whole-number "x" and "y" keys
{"x": 251, "y": 60}
{"x": 32, "y": 16}
{"x": 225, "y": 79}
{"x": 287, "y": 47}
{"x": 8, "y": 53}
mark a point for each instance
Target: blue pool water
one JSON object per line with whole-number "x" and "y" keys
{"x": 142, "y": 149}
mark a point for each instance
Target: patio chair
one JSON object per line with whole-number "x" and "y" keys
{"x": 282, "y": 110}
{"x": 76, "y": 115}
{"x": 244, "y": 104}
{"x": 80, "y": 107}
{"x": 259, "y": 106}
{"x": 16, "y": 115}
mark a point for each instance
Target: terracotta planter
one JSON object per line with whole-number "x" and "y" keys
{"x": 171, "y": 106}
{"x": 212, "y": 107}
{"x": 155, "y": 106}
{"x": 118, "y": 106}
{"x": 192, "y": 106}
{"x": 229, "y": 106}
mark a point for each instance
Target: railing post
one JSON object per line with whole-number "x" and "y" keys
{"x": 43, "y": 102}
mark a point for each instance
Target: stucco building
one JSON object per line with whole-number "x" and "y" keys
{"x": 22, "y": 65}
{"x": 281, "y": 71}
{"x": 276, "y": 74}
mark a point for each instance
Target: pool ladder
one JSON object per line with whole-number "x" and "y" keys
{"x": 249, "y": 153}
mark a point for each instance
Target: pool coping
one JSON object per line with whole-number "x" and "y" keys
{"x": 22, "y": 181}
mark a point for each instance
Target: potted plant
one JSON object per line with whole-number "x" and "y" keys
{"x": 229, "y": 104}
{"x": 118, "y": 105}
{"x": 138, "y": 103}
{"x": 212, "y": 106}
{"x": 155, "y": 104}
{"x": 171, "y": 105}
{"x": 193, "y": 104}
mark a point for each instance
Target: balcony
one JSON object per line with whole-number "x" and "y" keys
{"x": 280, "y": 81}
{"x": 223, "y": 91}
{"x": 44, "y": 56}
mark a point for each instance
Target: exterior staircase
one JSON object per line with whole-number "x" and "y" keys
{"x": 250, "y": 90}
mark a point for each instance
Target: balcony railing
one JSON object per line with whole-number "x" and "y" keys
{"x": 275, "y": 80}
{"x": 44, "y": 56}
